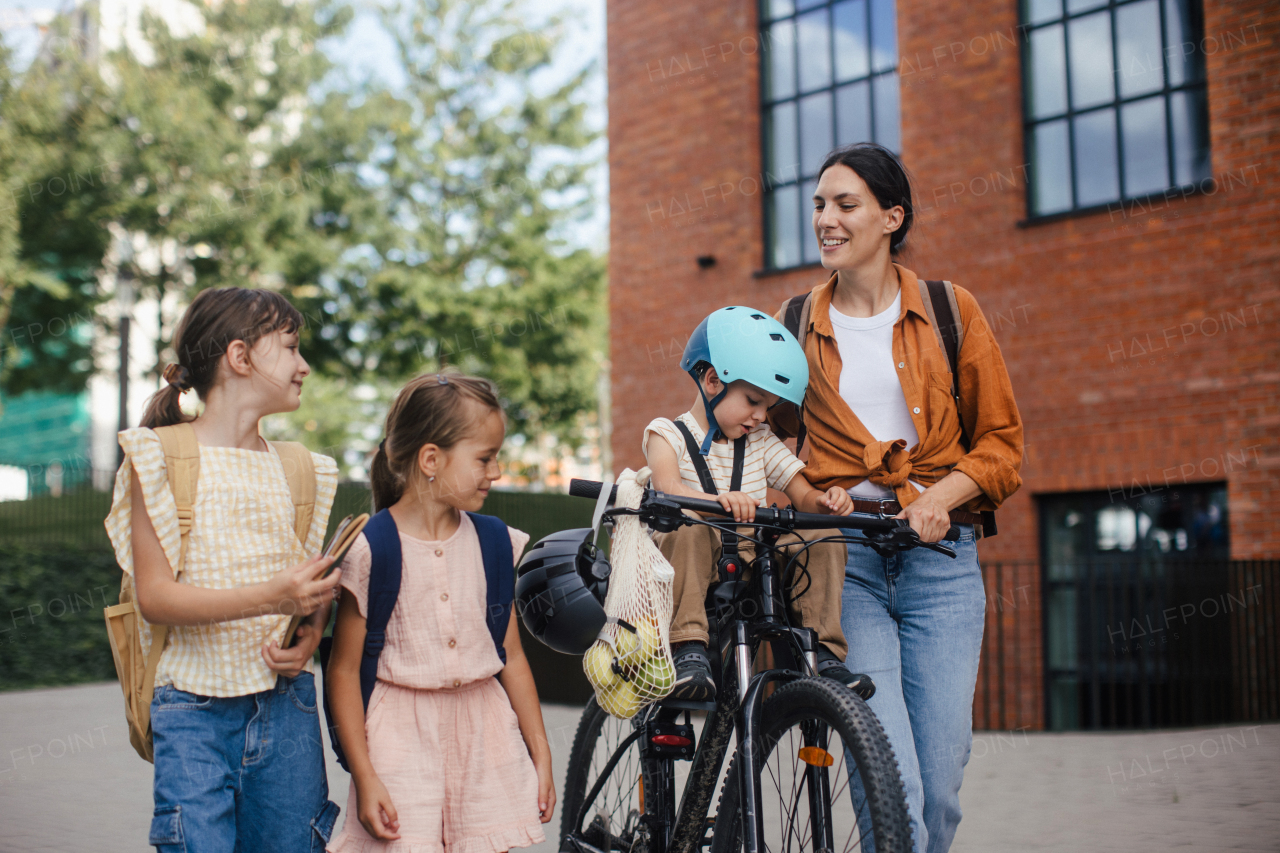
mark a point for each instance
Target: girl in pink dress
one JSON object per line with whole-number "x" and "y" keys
{"x": 452, "y": 754}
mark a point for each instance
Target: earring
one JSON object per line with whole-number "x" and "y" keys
{"x": 431, "y": 479}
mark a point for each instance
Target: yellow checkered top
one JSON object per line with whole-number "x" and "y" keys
{"x": 242, "y": 533}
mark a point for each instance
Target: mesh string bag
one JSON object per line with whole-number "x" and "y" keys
{"x": 630, "y": 664}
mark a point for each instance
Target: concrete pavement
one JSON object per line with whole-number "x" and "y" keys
{"x": 70, "y": 782}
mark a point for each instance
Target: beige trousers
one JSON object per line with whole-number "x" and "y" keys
{"x": 694, "y": 553}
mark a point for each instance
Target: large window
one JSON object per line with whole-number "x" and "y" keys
{"x": 829, "y": 77}
{"x": 1114, "y": 99}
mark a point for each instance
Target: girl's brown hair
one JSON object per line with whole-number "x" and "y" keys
{"x": 435, "y": 408}
{"x": 217, "y": 317}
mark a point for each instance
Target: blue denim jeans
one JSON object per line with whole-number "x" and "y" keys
{"x": 240, "y": 775}
{"x": 914, "y": 624}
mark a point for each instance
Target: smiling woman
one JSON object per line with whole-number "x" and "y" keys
{"x": 892, "y": 427}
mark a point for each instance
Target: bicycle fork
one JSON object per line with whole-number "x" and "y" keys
{"x": 750, "y": 697}
{"x": 751, "y": 748}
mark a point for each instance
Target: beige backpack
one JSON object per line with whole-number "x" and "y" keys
{"x": 137, "y": 674}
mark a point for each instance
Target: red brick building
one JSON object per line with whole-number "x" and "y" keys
{"x": 1122, "y": 237}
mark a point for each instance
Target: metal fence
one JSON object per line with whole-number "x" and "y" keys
{"x": 1009, "y": 694}
{"x": 1151, "y": 642}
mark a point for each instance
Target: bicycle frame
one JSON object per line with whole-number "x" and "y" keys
{"x": 687, "y": 830}
{"x": 685, "y": 833}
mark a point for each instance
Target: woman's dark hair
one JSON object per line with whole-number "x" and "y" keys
{"x": 217, "y": 317}
{"x": 435, "y": 408}
{"x": 884, "y": 175}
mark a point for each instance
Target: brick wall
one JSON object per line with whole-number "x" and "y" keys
{"x": 1143, "y": 344}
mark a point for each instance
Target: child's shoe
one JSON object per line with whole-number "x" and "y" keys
{"x": 694, "y": 681}
{"x": 830, "y": 666}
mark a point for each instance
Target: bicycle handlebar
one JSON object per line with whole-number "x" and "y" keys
{"x": 784, "y": 517}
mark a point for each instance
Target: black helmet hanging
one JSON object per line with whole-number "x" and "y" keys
{"x": 561, "y": 588}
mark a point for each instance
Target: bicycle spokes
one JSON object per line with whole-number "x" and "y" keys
{"x": 808, "y": 801}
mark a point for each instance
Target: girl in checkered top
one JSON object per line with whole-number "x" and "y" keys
{"x": 238, "y": 755}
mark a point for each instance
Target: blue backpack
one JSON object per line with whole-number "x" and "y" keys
{"x": 384, "y": 588}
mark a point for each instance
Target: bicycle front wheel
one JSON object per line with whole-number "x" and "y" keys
{"x": 612, "y": 820}
{"x": 828, "y": 779}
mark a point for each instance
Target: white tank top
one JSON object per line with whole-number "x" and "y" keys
{"x": 869, "y": 383}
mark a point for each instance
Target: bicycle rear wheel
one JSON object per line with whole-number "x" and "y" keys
{"x": 613, "y": 820}
{"x": 815, "y": 735}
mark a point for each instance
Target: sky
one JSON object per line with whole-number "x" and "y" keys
{"x": 367, "y": 52}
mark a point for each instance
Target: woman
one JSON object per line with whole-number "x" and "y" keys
{"x": 883, "y": 423}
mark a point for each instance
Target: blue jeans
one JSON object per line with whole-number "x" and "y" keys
{"x": 914, "y": 624}
{"x": 240, "y": 775}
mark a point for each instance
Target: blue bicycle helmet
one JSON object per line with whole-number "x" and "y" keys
{"x": 744, "y": 343}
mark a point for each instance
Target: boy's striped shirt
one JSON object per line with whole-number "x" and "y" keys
{"x": 767, "y": 462}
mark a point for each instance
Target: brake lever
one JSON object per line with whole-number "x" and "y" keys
{"x": 941, "y": 549}
{"x": 662, "y": 515}
{"x": 902, "y": 538}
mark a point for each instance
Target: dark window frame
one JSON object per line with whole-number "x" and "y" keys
{"x": 768, "y": 186}
{"x": 1195, "y": 82}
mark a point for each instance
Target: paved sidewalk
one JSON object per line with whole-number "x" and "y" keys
{"x": 70, "y": 782}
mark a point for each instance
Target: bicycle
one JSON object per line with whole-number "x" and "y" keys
{"x": 809, "y": 735}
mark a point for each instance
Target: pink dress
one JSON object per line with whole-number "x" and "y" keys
{"x": 442, "y": 735}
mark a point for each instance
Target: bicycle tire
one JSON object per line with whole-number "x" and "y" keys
{"x": 845, "y": 714}
{"x": 586, "y": 762}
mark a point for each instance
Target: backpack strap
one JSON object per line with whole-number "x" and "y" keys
{"x": 795, "y": 316}
{"x": 300, "y": 471}
{"x": 182, "y": 465}
{"x": 939, "y": 299}
{"x": 384, "y": 588}
{"x": 940, "y": 304}
{"x": 499, "y": 576}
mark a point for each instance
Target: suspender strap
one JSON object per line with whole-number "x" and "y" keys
{"x": 384, "y": 589}
{"x": 499, "y": 575}
{"x": 699, "y": 461}
{"x": 739, "y": 461}
{"x": 728, "y": 541}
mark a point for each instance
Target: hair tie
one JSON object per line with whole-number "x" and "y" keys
{"x": 382, "y": 446}
{"x": 441, "y": 379}
{"x": 177, "y": 376}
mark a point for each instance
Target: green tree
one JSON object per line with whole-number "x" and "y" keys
{"x": 414, "y": 228}
{"x": 480, "y": 175}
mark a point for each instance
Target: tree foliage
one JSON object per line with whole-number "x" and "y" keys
{"x": 416, "y": 227}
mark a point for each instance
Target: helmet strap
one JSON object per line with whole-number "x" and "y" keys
{"x": 713, "y": 426}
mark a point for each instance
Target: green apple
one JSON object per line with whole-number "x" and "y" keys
{"x": 656, "y": 678}
{"x": 620, "y": 700}
{"x": 598, "y": 665}
{"x": 650, "y": 638}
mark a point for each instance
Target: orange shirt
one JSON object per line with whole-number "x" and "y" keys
{"x": 843, "y": 453}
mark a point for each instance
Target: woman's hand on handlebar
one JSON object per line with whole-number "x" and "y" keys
{"x": 738, "y": 504}
{"x": 928, "y": 518}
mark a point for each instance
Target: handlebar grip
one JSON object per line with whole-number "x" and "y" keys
{"x": 589, "y": 489}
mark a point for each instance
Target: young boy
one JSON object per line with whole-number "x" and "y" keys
{"x": 743, "y": 361}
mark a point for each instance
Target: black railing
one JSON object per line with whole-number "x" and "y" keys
{"x": 1008, "y": 695}
{"x": 1152, "y": 642}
